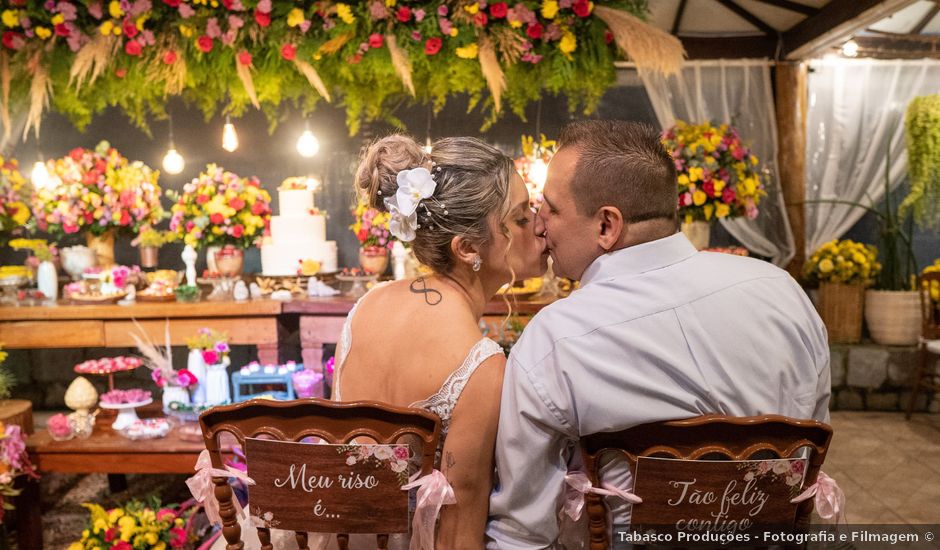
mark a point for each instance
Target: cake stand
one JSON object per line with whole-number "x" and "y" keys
{"x": 93, "y": 366}
{"x": 127, "y": 412}
{"x": 359, "y": 283}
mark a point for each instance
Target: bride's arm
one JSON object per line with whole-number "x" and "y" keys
{"x": 467, "y": 461}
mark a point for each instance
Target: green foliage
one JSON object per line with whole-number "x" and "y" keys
{"x": 922, "y": 133}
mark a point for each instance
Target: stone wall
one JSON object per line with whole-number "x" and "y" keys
{"x": 869, "y": 377}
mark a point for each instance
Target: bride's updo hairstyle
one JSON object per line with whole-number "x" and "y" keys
{"x": 472, "y": 182}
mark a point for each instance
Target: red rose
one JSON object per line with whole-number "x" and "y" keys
{"x": 375, "y": 40}
{"x": 498, "y": 10}
{"x": 433, "y": 45}
{"x": 113, "y": 532}
{"x": 727, "y": 195}
{"x": 238, "y": 231}
{"x": 170, "y": 57}
{"x": 480, "y": 19}
{"x": 534, "y": 31}
{"x": 132, "y": 47}
{"x": 120, "y": 73}
{"x": 205, "y": 44}
{"x": 229, "y": 4}
{"x": 172, "y": 3}
{"x": 289, "y": 52}
{"x": 257, "y": 208}
{"x": 101, "y": 165}
{"x": 130, "y": 29}
{"x": 356, "y": 59}
{"x": 262, "y": 19}
{"x": 77, "y": 154}
{"x": 582, "y": 8}
{"x": 190, "y": 226}
{"x": 217, "y": 219}
{"x": 709, "y": 188}
{"x": 13, "y": 40}
{"x": 62, "y": 30}
{"x": 122, "y": 545}
{"x": 244, "y": 57}
{"x": 125, "y": 218}
{"x": 202, "y": 199}
{"x": 403, "y": 14}
{"x": 362, "y": 235}
{"x": 236, "y": 203}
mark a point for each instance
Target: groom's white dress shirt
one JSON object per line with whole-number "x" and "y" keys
{"x": 656, "y": 332}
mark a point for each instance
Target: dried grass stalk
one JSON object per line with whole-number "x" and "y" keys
{"x": 5, "y": 111}
{"x": 313, "y": 77}
{"x": 39, "y": 92}
{"x": 511, "y": 45}
{"x": 650, "y": 48}
{"x": 244, "y": 74}
{"x": 492, "y": 72}
{"x": 91, "y": 60}
{"x": 334, "y": 44}
{"x": 175, "y": 77}
{"x": 401, "y": 63}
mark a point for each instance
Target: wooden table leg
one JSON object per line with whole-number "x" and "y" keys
{"x": 28, "y": 514}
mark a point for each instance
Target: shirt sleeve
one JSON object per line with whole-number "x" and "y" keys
{"x": 531, "y": 464}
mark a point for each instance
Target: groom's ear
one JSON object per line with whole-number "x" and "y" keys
{"x": 609, "y": 222}
{"x": 464, "y": 251}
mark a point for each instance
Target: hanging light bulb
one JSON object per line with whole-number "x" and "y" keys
{"x": 312, "y": 183}
{"x": 538, "y": 170}
{"x": 427, "y": 146}
{"x": 308, "y": 145}
{"x": 173, "y": 162}
{"x": 850, "y": 48}
{"x": 229, "y": 136}
{"x": 40, "y": 175}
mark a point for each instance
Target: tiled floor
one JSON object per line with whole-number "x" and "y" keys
{"x": 889, "y": 468}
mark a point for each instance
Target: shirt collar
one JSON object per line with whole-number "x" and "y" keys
{"x": 639, "y": 258}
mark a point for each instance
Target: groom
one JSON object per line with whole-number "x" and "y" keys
{"x": 657, "y": 331}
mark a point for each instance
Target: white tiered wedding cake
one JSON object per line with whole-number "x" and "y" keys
{"x": 298, "y": 233}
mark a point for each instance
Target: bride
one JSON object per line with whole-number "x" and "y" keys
{"x": 465, "y": 211}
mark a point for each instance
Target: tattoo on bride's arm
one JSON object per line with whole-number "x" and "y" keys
{"x": 432, "y": 296}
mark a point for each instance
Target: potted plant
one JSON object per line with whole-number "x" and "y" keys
{"x": 149, "y": 241}
{"x": 843, "y": 269}
{"x": 718, "y": 177}
{"x": 210, "y": 349}
{"x": 922, "y": 137}
{"x": 375, "y": 240}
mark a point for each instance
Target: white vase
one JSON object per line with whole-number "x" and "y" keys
{"x": 698, "y": 232}
{"x": 217, "y": 384}
{"x": 196, "y": 365}
{"x": 893, "y": 317}
{"x": 174, "y": 393}
{"x": 47, "y": 279}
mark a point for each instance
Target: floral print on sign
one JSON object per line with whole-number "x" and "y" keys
{"x": 392, "y": 457}
{"x": 790, "y": 470}
{"x": 263, "y": 519}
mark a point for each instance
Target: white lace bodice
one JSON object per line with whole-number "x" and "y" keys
{"x": 443, "y": 401}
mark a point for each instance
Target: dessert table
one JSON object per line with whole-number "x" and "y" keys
{"x": 63, "y": 325}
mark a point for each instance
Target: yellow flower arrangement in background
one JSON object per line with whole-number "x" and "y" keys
{"x": 934, "y": 289}
{"x": 845, "y": 262}
{"x": 14, "y": 197}
{"x": 135, "y": 526}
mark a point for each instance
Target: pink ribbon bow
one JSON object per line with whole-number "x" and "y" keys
{"x": 433, "y": 492}
{"x": 202, "y": 487}
{"x": 830, "y": 500}
{"x": 578, "y": 485}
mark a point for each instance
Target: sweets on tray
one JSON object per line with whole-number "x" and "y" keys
{"x": 148, "y": 428}
{"x": 107, "y": 365}
{"x": 119, "y": 397}
{"x": 59, "y": 427}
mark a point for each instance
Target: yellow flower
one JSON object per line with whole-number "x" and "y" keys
{"x": 568, "y": 43}
{"x": 722, "y": 210}
{"x": 114, "y": 8}
{"x": 390, "y": 3}
{"x": 11, "y": 18}
{"x": 453, "y": 32}
{"x": 344, "y": 12}
{"x": 683, "y": 179}
{"x": 472, "y": 9}
{"x": 57, "y": 19}
{"x": 115, "y": 515}
{"x": 696, "y": 173}
{"x": 150, "y": 538}
{"x": 186, "y": 31}
{"x": 549, "y": 9}
{"x": 43, "y": 32}
{"x": 295, "y": 17}
{"x": 699, "y": 198}
{"x": 76, "y": 546}
{"x": 826, "y": 266}
{"x": 515, "y": 23}
{"x": 468, "y": 52}
{"x": 719, "y": 184}
{"x": 707, "y": 210}
{"x": 22, "y": 213}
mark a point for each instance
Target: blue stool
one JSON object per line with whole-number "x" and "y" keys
{"x": 244, "y": 385}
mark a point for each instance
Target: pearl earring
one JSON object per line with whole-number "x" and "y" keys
{"x": 477, "y": 263}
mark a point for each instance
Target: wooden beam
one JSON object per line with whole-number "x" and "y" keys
{"x": 792, "y": 6}
{"x": 749, "y": 17}
{"x": 677, "y": 22}
{"x": 791, "y": 104}
{"x": 835, "y": 22}
{"x": 919, "y": 27}
{"x": 915, "y": 46}
{"x": 730, "y": 48}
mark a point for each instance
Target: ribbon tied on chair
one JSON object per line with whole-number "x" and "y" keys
{"x": 577, "y": 485}
{"x": 433, "y": 492}
{"x": 202, "y": 487}
{"x": 830, "y": 500}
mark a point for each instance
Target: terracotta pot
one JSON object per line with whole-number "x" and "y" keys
{"x": 893, "y": 317}
{"x": 698, "y": 233}
{"x": 373, "y": 259}
{"x": 148, "y": 256}
{"x": 103, "y": 246}
{"x": 840, "y": 307}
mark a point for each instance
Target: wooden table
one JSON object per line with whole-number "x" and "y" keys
{"x": 76, "y": 326}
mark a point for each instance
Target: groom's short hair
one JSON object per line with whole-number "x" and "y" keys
{"x": 622, "y": 164}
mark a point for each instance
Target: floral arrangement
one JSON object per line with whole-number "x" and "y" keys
{"x": 14, "y": 462}
{"x": 136, "y": 525}
{"x": 220, "y": 208}
{"x": 533, "y": 164}
{"x": 718, "y": 176}
{"x": 41, "y": 249}
{"x": 97, "y": 190}
{"x": 14, "y": 197}
{"x": 182, "y": 378}
{"x": 922, "y": 137}
{"x": 371, "y": 226}
{"x": 368, "y": 55}
{"x": 213, "y": 345}
{"x": 149, "y": 236}
{"x": 845, "y": 262}
{"x": 934, "y": 290}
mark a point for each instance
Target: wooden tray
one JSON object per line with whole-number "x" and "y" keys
{"x": 96, "y": 300}
{"x": 155, "y": 298}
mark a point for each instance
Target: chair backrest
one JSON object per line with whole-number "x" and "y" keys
{"x": 709, "y": 437}
{"x": 930, "y": 310}
{"x": 337, "y": 423}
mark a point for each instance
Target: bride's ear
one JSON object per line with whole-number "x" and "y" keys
{"x": 464, "y": 251}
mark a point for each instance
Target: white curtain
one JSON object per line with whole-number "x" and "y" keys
{"x": 856, "y": 112}
{"x": 740, "y": 93}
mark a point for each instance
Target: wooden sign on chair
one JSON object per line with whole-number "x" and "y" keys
{"x": 327, "y": 488}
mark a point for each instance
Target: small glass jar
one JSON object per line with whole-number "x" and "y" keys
{"x": 82, "y": 423}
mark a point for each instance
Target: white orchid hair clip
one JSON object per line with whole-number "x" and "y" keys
{"x": 414, "y": 186}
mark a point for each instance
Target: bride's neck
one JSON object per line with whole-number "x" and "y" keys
{"x": 473, "y": 289}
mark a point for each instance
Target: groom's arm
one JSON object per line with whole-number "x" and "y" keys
{"x": 530, "y": 464}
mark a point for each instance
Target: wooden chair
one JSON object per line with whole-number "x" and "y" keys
{"x": 708, "y": 437}
{"x": 929, "y": 341}
{"x": 292, "y": 421}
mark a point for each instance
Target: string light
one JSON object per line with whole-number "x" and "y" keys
{"x": 308, "y": 145}
{"x": 173, "y": 162}
{"x": 850, "y": 48}
{"x": 229, "y": 136}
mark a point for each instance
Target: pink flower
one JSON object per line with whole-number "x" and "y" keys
{"x": 211, "y": 357}
{"x": 375, "y": 40}
{"x": 401, "y": 453}
{"x": 186, "y": 379}
{"x": 442, "y": 10}
{"x": 204, "y": 43}
{"x": 244, "y": 57}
